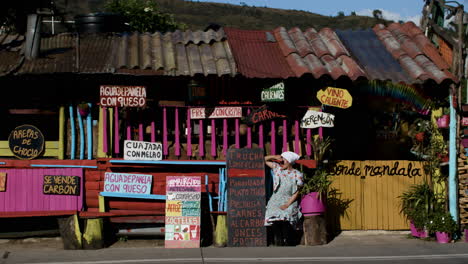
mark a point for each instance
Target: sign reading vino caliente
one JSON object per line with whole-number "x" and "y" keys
{"x": 26, "y": 142}
{"x": 246, "y": 198}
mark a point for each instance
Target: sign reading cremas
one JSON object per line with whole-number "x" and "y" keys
{"x": 274, "y": 93}
{"x": 26, "y": 142}
{"x": 335, "y": 97}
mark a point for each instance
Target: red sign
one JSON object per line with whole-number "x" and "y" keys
{"x": 118, "y": 95}
{"x": 216, "y": 112}
{"x": 464, "y": 121}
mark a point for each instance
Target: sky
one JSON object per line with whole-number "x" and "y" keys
{"x": 406, "y": 10}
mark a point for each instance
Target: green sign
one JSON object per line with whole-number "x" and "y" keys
{"x": 274, "y": 94}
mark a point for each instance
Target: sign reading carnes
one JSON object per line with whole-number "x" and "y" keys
{"x": 127, "y": 183}
{"x": 26, "y": 142}
{"x": 314, "y": 119}
{"x": 141, "y": 150}
{"x": 335, "y": 97}
{"x": 216, "y": 112}
{"x": 118, "y": 95}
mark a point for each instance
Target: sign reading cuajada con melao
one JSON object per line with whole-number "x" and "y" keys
{"x": 26, "y": 142}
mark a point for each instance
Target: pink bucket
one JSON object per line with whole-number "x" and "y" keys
{"x": 443, "y": 237}
{"x": 312, "y": 205}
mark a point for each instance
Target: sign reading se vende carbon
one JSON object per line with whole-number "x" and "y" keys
{"x": 335, "y": 97}
{"x": 142, "y": 150}
{"x": 118, "y": 95}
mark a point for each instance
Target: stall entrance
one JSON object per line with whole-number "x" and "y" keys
{"x": 367, "y": 193}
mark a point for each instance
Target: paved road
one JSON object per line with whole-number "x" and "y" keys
{"x": 347, "y": 248}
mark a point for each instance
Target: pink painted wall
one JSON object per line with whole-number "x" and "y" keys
{"x": 24, "y": 191}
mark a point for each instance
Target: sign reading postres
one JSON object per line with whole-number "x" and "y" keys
{"x": 314, "y": 119}
{"x": 118, "y": 95}
{"x": 274, "y": 93}
{"x": 26, "y": 142}
{"x": 141, "y": 150}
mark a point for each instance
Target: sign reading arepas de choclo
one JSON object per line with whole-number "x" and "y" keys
{"x": 26, "y": 142}
{"x": 335, "y": 97}
{"x": 118, "y": 95}
{"x": 274, "y": 93}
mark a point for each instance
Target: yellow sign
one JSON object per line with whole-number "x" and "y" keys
{"x": 335, "y": 97}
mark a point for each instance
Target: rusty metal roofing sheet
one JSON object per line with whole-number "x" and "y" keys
{"x": 417, "y": 56}
{"x": 372, "y": 55}
{"x": 317, "y": 53}
{"x": 176, "y": 53}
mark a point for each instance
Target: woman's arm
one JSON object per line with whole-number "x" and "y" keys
{"x": 290, "y": 201}
{"x": 269, "y": 160}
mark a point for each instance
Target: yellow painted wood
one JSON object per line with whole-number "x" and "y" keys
{"x": 61, "y": 144}
{"x": 93, "y": 231}
{"x": 51, "y": 149}
{"x": 100, "y": 150}
{"x": 102, "y": 204}
{"x": 78, "y": 233}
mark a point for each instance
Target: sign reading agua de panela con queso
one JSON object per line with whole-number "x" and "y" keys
{"x": 314, "y": 119}
{"x": 26, "y": 142}
{"x": 183, "y": 194}
{"x": 61, "y": 185}
{"x": 118, "y": 95}
{"x": 274, "y": 93}
{"x": 127, "y": 183}
{"x": 335, "y": 97}
{"x": 246, "y": 198}
{"x": 142, "y": 150}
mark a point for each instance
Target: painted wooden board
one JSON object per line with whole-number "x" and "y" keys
{"x": 215, "y": 112}
{"x": 122, "y": 96}
{"x": 141, "y": 150}
{"x": 335, "y": 97}
{"x": 314, "y": 119}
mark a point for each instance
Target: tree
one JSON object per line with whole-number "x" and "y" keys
{"x": 13, "y": 14}
{"x": 353, "y": 13}
{"x": 377, "y": 14}
{"x": 341, "y": 14}
{"x": 144, "y": 15}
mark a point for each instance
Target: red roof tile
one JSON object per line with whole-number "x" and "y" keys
{"x": 417, "y": 56}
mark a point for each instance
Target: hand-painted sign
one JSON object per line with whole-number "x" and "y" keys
{"x": 393, "y": 168}
{"x": 273, "y": 94}
{"x": 183, "y": 195}
{"x": 3, "y": 177}
{"x": 26, "y": 142}
{"x": 335, "y": 97}
{"x": 61, "y": 185}
{"x": 118, "y": 95}
{"x": 216, "y": 112}
{"x": 262, "y": 114}
{"x": 464, "y": 121}
{"x": 141, "y": 150}
{"x": 314, "y": 119}
{"x": 127, "y": 183}
{"x": 246, "y": 198}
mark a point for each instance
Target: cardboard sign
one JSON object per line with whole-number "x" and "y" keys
{"x": 246, "y": 198}
{"x": 127, "y": 183}
{"x": 464, "y": 121}
{"x": 335, "y": 97}
{"x": 26, "y": 142}
{"x": 216, "y": 112}
{"x": 3, "y": 177}
{"x": 61, "y": 185}
{"x": 314, "y": 119}
{"x": 183, "y": 194}
{"x": 273, "y": 94}
{"x": 262, "y": 114}
{"x": 118, "y": 95}
{"x": 141, "y": 150}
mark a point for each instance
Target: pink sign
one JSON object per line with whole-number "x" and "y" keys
{"x": 464, "y": 121}
{"x": 118, "y": 95}
{"x": 216, "y": 112}
{"x": 182, "y": 221}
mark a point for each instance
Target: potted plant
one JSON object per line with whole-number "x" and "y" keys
{"x": 83, "y": 109}
{"x": 416, "y": 204}
{"x": 443, "y": 225}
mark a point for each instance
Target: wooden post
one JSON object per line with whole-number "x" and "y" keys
{"x": 315, "y": 231}
{"x": 61, "y": 146}
{"x": 93, "y": 237}
{"x": 70, "y": 232}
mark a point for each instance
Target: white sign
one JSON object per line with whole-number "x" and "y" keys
{"x": 117, "y": 95}
{"x": 141, "y": 150}
{"x": 216, "y": 112}
{"x": 314, "y": 119}
{"x": 127, "y": 183}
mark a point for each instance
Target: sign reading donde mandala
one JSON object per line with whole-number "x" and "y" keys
{"x": 335, "y": 97}
{"x": 26, "y": 142}
{"x": 314, "y": 119}
{"x": 215, "y": 112}
{"x": 183, "y": 194}
{"x": 141, "y": 150}
{"x": 273, "y": 94}
{"x": 394, "y": 168}
{"x": 118, "y": 95}
{"x": 127, "y": 183}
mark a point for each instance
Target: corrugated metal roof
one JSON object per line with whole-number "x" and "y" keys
{"x": 372, "y": 55}
{"x": 175, "y": 53}
{"x": 257, "y": 54}
{"x": 10, "y": 57}
{"x": 415, "y": 53}
{"x": 317, "y": 53}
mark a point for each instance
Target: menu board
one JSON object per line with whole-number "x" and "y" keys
{"x": 61, "y": 185}
{"x": 246, "y": 198}
{"x": 182, "y": 220}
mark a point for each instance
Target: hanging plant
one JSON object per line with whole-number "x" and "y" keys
{"x": 83, "y": 109}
